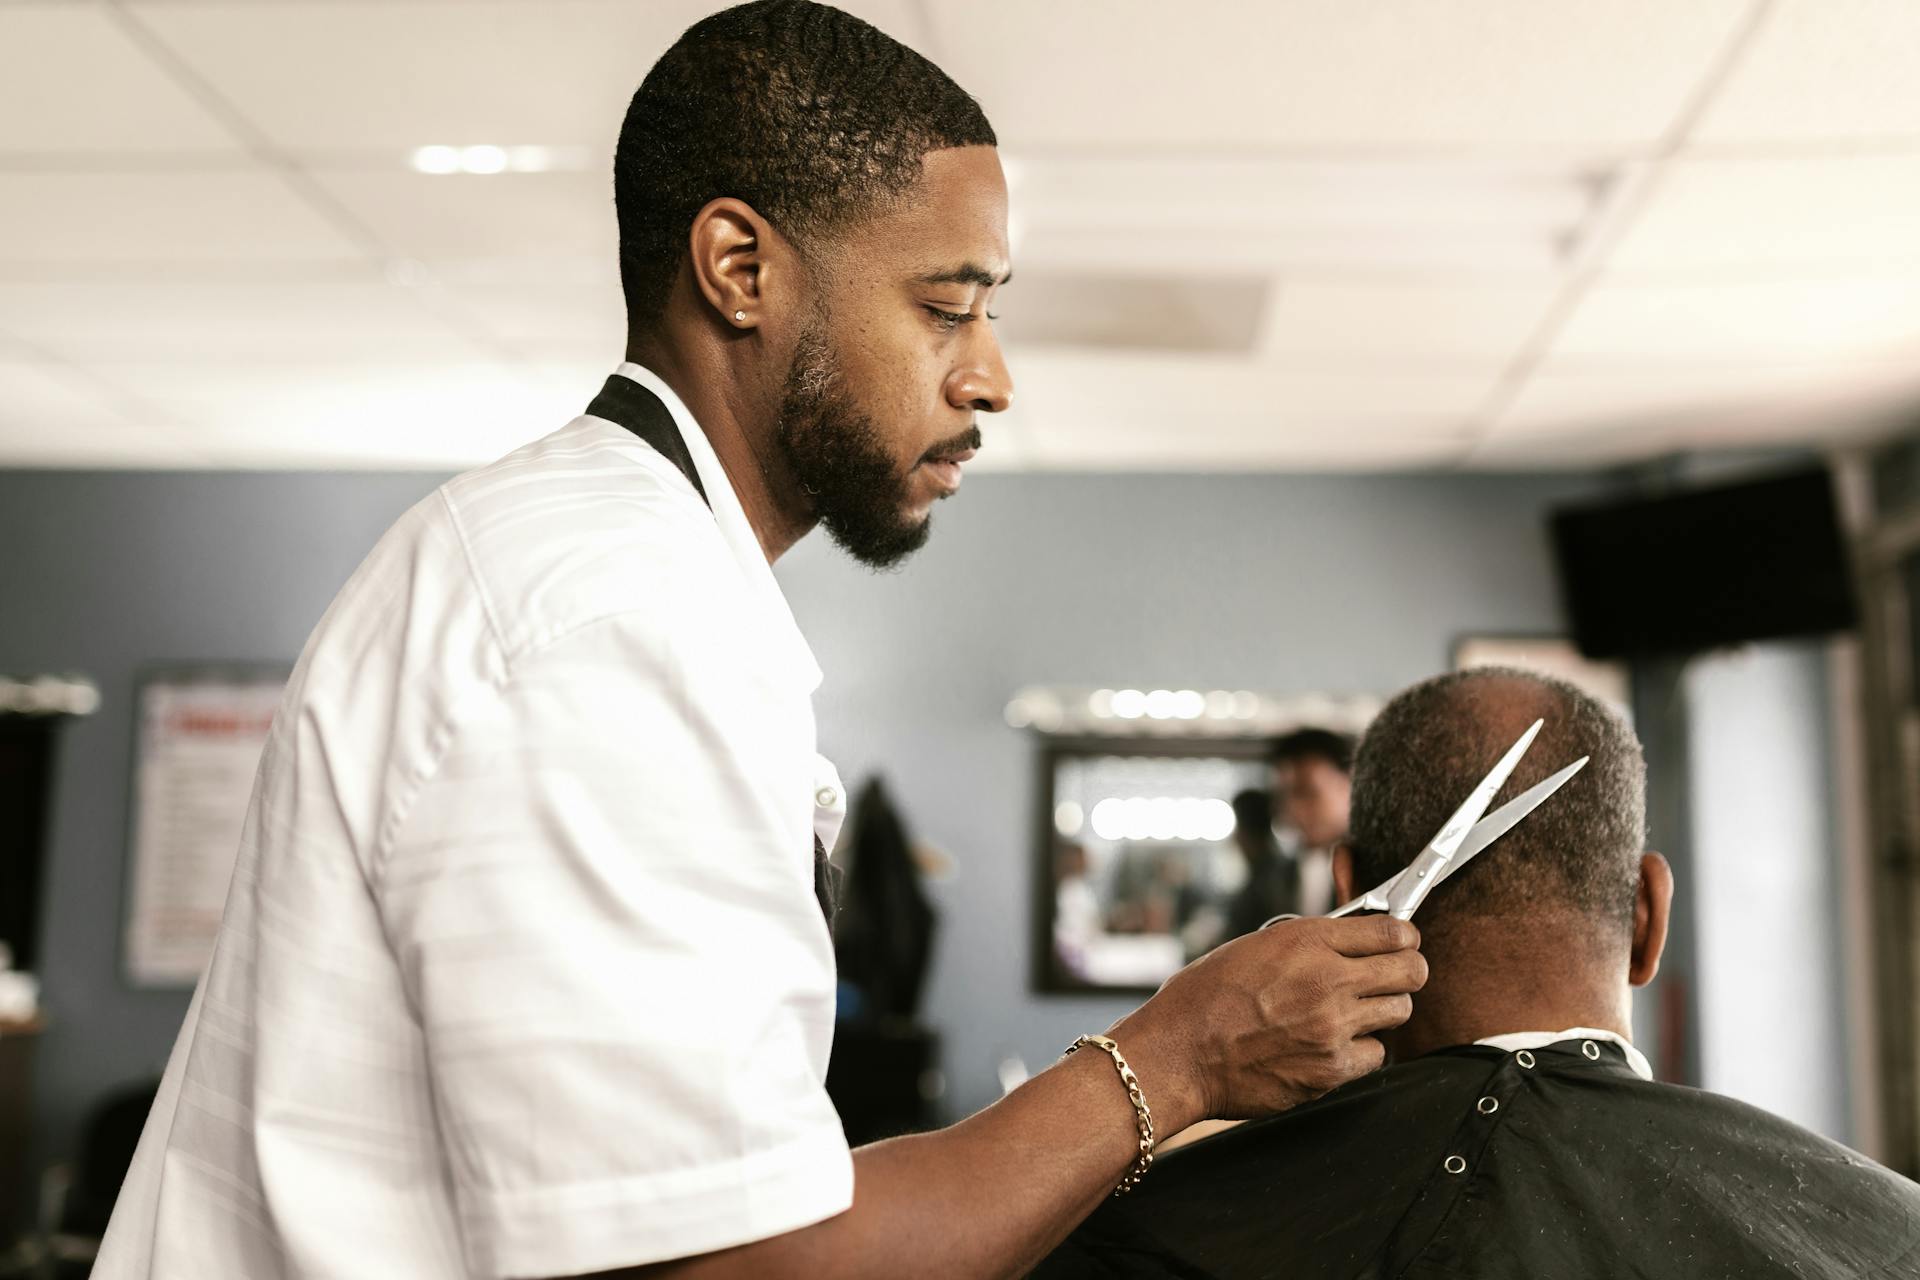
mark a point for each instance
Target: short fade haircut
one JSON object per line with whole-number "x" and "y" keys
{"x": 1314, "y": 744}
{"x": 808, "y": 114}
{"x": 1576, "y": 855}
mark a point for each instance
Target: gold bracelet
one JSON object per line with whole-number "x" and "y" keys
{"x": 1143, "y": 1161}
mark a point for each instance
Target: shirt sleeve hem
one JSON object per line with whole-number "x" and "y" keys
{"x": 626, "y": 1222}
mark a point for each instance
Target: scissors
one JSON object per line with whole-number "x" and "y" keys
{"x": 1463, "y": 836}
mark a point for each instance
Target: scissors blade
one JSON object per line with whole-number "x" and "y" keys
{"x": 1507, "y": 817}
{"x": 1412, "y": 885}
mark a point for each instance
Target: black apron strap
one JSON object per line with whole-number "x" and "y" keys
{"x": 826, "y": 884}
{"x": 626, "y": 403}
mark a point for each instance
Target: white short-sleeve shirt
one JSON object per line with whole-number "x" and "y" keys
{"x": 522, "y": 972}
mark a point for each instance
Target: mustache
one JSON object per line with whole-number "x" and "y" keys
{"x": 968, "y": 439}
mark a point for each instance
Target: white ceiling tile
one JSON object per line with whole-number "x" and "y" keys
{"x": 1743, "y": 319}
{"x": 1177, "y": 395}
{"x": 1333, "y": 445}
{"x": 1824, "y": 70}
{"x": 166, "y": 218}
{"x": 1328, "y": 73}
{"x": 72, "y": 82}
{"x": 517, "y": 215}
{"x": 53, "y": 417}
{"x": 319, "y": 76}
{"x": 1741, "y": 211}
{"x": 1475, "y": 323}
{"x": 356, "y": 413}
{"x": 548, "y": 313}
{"x": 1578, "y": 420}
{"x": 1555, "y": 402}
{"x": 1128, "y": 209}
{"x": 132, "y": 319}
{"x": 1609, "y": 446}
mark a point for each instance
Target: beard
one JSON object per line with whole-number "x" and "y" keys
{"x": 838, "y": 457}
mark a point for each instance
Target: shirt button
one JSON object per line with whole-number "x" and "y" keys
{"x": 1525, "y": 1059}
{"x": 1455, "y": 1164}
{"x": 826, "y": 797}
{"x": 1591, "y": 1050}
{"x": 1487, "y": 1106}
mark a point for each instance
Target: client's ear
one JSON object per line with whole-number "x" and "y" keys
{"x": 1343, "y": 873}
{"x": 1651, "y": 907}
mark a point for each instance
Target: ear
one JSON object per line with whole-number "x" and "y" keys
{"x": 1343, "y": 890}
{"x": 1651, "y": 908}
{"x": 736, "y": 258}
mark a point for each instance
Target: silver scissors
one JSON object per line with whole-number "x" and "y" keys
{"x": 1465, "y": 834}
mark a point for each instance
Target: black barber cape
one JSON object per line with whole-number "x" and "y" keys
{"x": 1470, "y": 1163}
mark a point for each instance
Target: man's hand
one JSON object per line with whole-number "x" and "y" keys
{"x": 1272, "y": 1019}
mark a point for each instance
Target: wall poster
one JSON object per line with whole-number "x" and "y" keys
{"x": 198, "y": 736}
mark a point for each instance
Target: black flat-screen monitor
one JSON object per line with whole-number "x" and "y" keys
{"x": 1706, "y": 568}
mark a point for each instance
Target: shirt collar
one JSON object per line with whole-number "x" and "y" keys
{"x": 1517, "y": 1040}
{"x": 735, "y": 528}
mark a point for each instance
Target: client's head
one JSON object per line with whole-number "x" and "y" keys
{"x": 1550, "y": 926}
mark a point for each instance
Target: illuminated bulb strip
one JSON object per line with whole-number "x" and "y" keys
{"x": 48, "y": 695}
{"x": 1162, "y": 818}
{"x": 482, "y": 158}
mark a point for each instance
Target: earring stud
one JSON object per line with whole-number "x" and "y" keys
{"x": 739, "y": 316}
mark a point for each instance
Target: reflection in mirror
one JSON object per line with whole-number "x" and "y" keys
{"x": 1155, "y": 838}
{"x": 1148, "y": 857}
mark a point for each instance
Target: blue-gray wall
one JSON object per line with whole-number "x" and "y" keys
{"x": 1285, "y": 583}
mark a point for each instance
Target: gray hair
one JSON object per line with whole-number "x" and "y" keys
{"x": 1578, "y": 854}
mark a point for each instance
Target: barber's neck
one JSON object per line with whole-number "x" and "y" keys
{"x": 1496, "y": 977}
{"x": 737, "y": 413}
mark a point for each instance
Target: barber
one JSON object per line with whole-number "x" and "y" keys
{"x": 526, "y": 970}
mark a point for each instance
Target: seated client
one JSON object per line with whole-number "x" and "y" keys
{"x": 1517, "y": 1133}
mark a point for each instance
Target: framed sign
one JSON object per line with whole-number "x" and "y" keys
{"x": 198, "y": 734}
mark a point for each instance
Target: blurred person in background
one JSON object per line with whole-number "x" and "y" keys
{"x": 1518, "y": 1133}
{"x": 1313, "y": 788}
{"x": 1078, "y": 921}
{"x": 1272, "y": 886}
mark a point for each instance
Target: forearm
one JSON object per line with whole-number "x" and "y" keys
{"x": 987, "y": 1197}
